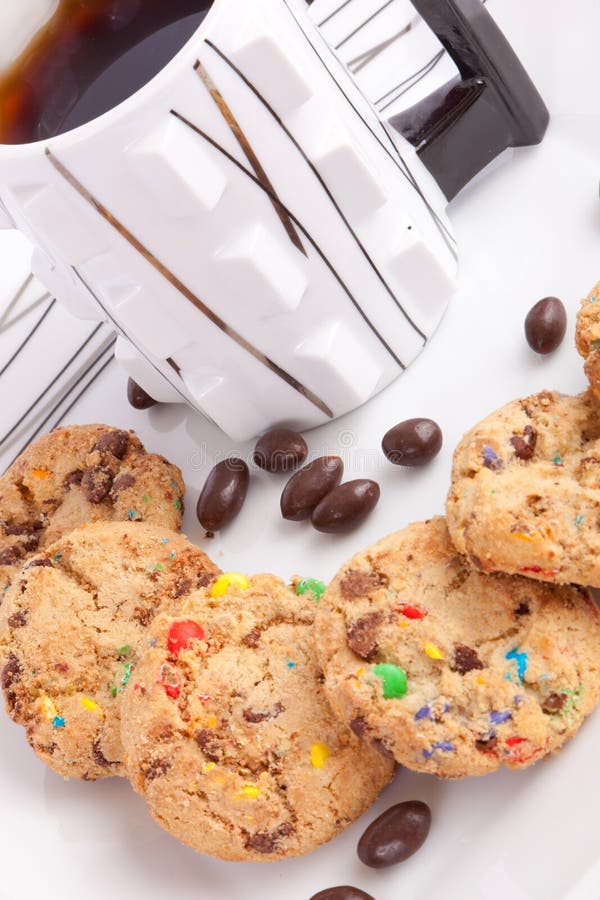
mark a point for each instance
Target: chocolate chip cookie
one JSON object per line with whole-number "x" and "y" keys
{"x": 71, "y": 626}
{"x": 525, "y": 494}
{"x": 455, "y": 672}
{"x": 76, "y": 475}
{"x": 228, "y": 733}
{"x": 587, "y": 337}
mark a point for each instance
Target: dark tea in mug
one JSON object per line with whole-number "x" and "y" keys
{"x": 90, "y": 56}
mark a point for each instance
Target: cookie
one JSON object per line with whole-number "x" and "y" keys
{"x": 70, "y": 627}
{"x": 587, "y": 337}
{"x": 456, "y": 672}
{"x": 81, "y": 474}
{"x": 228, "y": 733}
{"x": 525, "y": 494}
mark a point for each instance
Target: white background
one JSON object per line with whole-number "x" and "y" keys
{"x": 529, "y": 228}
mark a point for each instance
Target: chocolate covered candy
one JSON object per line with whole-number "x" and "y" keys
{"x": 280, "y": 450}
{"x": 413, "y": 442}
{"x": 224, "y": 494}
{"x": 306, "y": 488}
{"x": 393, "y": 837}
{"x": 545, "y": 325}
{"x": 347, "y": 506}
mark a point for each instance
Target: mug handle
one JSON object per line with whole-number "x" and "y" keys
{"x": 492, "y": 104}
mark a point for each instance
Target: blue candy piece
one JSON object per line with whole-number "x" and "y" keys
{"x": 446, "y": 746}
{"x": 497, "y": 718}
{"x": 58, "y": 722}
{"x": 491, "y": 460}
{"x": 521, "y": 661}
{"x": 423, "y": 713}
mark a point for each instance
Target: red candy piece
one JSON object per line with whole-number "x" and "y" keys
{"x": 172, "y": 690}
{"x": 513, "y": 741}
{"x": 413, "y": 612}
{"x": 181, "y": 634}
{"x": 548, "y": 573}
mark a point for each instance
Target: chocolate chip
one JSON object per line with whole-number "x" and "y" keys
{"x": 156, "y": 768}
{"x": 343, "y": 892}
{"x": 256, "y": 717}
{"x": 224, "y": 494}
{"x": 73, "y": 479}
{"x": 11, "y": 675}
{"x": 99, "y": 757}
{"x": 121, "y": 483}
{"x": 24, "y": 528}
{"x": 545, "y": 325}
{"x": 268, "y": 841}
{"x": 487, "y": 745}
{"x": 204, "y": 578}
{"x": 96, "y": 483}
{"x": 114, "y": 442}
{"x": 143, "y": 615}
{"x": 524, "y": 447}
{"x": 280, "y": 450}
{"x": 10, "y": 556}
{"x": 12, "y": 671}
{"x": 554, "y": 703}
{"x": 465, "y": 659}
{"x": 395, "y": 835}
{"x": 182, "y": 587}
{"x": 209, "y": 743}
{"x": 18, "y": 619}
{"x": 309, "y": 486}
{"x": 346, "y": 507}
{"x": 357, "y": 584}
{"x": 31, "y": 544}
{"x": 362, "y": 636}
{"x": 252, "y": 638}
{"x": 413, "y": 442}
{"x": 138, "y": 397}
{"x": 382, "y": 749}
{"x": 522, "y": 609}
{"x": 40, "y": 563}
{"x": 359, "y": 726}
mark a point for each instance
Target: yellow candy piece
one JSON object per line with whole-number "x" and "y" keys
{"x": 480, "y": 680}
{"x": 530, "y": 538}
{"x": 360, "y": 672}
{"x": 248, "y": 792}
{"x": 211, "y": 722}
{"x": 48, "y": 708}
{"x": 319, "y": 754}
{"x": 90, "y": 704}
{"x": 224, "y": 582}
{"x": 42, "y": 474}
{"x": 208, "y": 767}
{"x": 403, "y": 624}
{"x": 432, "y": 651}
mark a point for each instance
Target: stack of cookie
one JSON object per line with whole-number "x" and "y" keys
{"x": 258, "y": 719}
{"x": 465, "y": 644}
{"x": 125, "y": 651}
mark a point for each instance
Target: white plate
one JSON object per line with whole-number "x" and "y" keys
{"x": 530, "y": 228}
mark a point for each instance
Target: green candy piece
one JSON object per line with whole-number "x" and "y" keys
{"x": 318, "y": 588}
{"x": 395, "y": 683}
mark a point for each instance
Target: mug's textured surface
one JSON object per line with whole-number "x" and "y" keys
{"x": 248, "y": 222}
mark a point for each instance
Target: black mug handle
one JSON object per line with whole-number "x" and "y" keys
{"x": 491, "y": 105}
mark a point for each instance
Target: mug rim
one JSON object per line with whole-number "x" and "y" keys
{"x": 139, "y": 98}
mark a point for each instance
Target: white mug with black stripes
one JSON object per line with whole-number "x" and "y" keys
{"x": 212, "y": 181}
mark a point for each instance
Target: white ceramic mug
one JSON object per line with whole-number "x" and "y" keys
{"x": 269, "y": 249}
